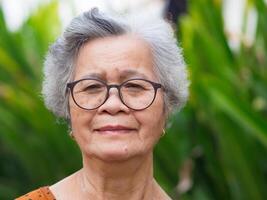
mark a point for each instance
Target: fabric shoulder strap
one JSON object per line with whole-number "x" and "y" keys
{"x": 42, "y": 193}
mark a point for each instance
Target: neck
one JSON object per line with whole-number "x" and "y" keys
{"x": 131, "y": 179}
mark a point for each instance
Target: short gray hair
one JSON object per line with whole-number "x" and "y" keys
{"x": 168, "y": 60}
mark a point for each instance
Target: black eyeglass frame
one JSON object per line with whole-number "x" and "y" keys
{"x": 156, "y": 86}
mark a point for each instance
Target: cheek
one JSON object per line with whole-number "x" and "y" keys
{"x": 80, "y": 125}
{"x": 152, "y": 121}
{"x": 74, "y": 115}
{"x": 80, "y": 119}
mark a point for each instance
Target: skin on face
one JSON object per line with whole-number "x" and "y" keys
{"x": 114, "y": 60}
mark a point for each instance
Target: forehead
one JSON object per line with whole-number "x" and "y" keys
{"x": 115, "y": 57}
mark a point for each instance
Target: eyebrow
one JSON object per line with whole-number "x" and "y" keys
{"x": 132, "y": 73}
{"x": 123, "y": 75}
{"x": 93, "y": 75}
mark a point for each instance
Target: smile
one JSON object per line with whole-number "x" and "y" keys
{"x": 118, "y": 129}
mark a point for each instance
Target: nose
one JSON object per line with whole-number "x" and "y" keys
{"x": 113, "y": 104}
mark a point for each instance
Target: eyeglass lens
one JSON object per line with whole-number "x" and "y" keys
{"x": 136, "y": 94}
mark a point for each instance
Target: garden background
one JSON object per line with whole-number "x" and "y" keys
{"x": 215, "y": 148}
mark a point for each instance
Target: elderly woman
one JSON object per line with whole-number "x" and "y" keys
{"x": 115, "y": 80}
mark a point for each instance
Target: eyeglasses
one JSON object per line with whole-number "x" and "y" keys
{"x": 136, "y": 94}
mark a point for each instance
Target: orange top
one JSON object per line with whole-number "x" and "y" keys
{"x": 43, "y": 193}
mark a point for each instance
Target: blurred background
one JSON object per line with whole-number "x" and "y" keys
{"x": 215, "y": 148}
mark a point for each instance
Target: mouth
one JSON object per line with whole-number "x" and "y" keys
{"x": 117, "y": 129}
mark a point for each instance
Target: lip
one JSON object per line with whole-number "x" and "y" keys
{"x": 114, "y": 129}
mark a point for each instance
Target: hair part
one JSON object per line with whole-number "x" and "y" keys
{"x": 59, "y": 64}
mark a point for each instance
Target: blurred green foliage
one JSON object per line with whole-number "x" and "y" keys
{"x": 216, "y": 146}
{"x": 35, "y": 150}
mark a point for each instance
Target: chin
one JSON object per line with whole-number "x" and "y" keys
{"x": 111, "y": 153}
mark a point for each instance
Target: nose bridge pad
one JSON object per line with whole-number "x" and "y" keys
{"x": 118, "y": 90}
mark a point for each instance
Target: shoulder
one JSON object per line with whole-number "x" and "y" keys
{"x": 42, "y": 193}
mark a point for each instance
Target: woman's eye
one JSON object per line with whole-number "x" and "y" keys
{"x": 94, "y": 87}
{"x": 133, "y": 86}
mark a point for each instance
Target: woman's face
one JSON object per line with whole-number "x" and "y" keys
{"x": 113, "y": 131}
